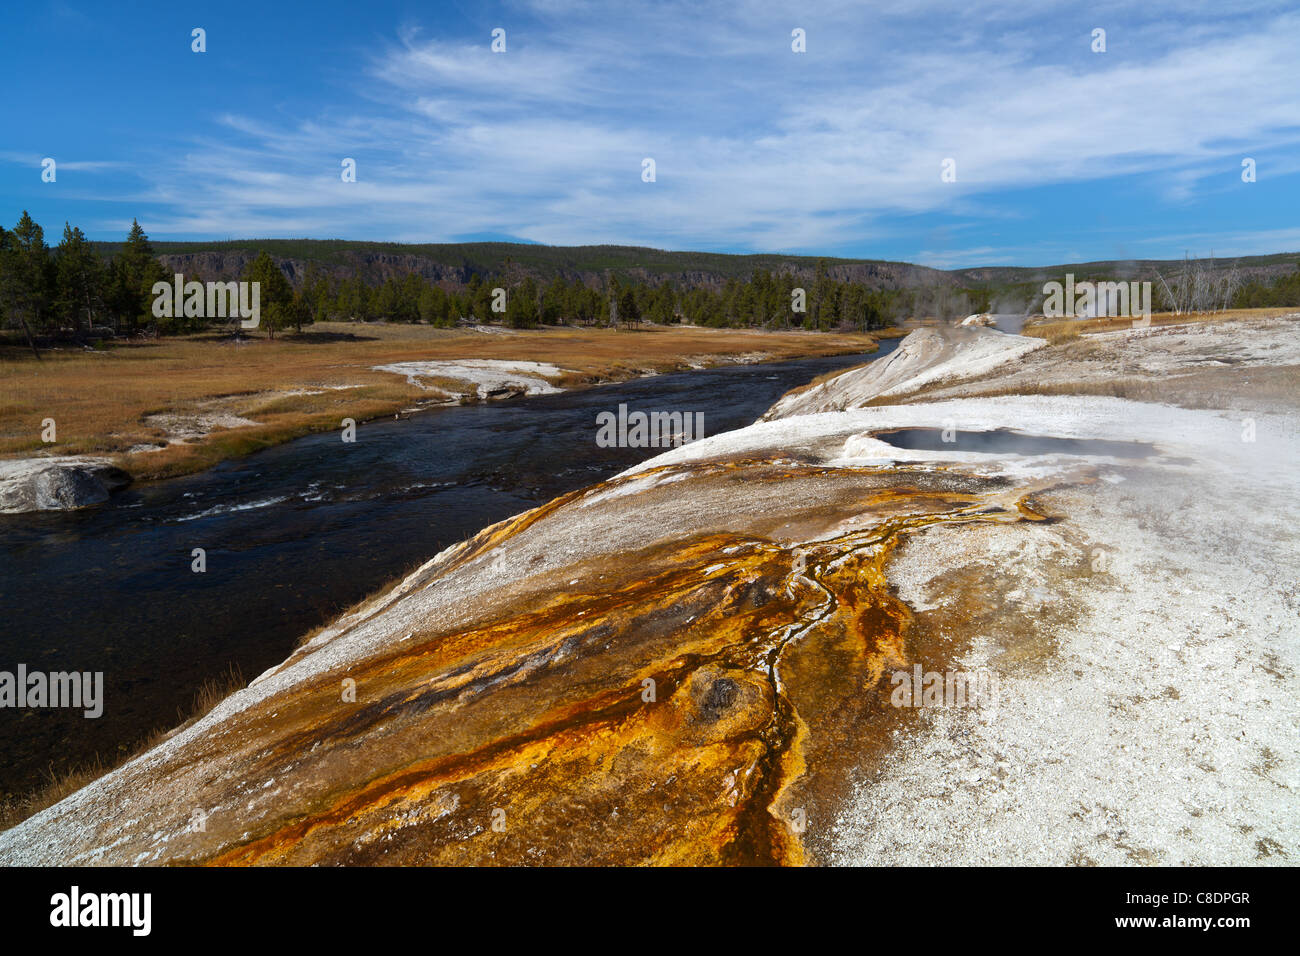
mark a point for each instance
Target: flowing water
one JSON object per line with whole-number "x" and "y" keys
{"x": 291, "y": 536}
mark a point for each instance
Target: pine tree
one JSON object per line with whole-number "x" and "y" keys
{"x": 387, "y": 300}
{"x": 481, "y": 299}
{"x": 554, "y": 301}
{"x": 664, "y": 305}
{"x": 80, "y": 278}
{"x": 299, "y": 311}
{"x": 275, "y": 293}
{"x": 521, "y": 306}
{"x": 133, "y": 273}
{"x": 408, "y": 299}
{"x": 315, "y": 295}
{"x": 628, "y": 309}
{"x": 26, "y": 276}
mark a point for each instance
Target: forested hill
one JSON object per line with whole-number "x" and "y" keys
{"x": 374, "y": 262}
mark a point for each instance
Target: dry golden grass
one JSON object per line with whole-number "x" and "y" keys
{"x": 212, "y": 692}
{"x": 15, "y": 811}
{"x": 101, "y": 400}
{"x": 1065, "y": 330}
{"x": 1056, "y": 332}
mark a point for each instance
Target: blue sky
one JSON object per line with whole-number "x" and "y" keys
{"x": 1061, "y": 154}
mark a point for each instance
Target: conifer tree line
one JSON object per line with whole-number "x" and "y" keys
{"x": 71, "y": 290}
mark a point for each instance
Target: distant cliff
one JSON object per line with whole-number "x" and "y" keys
{"x": 455, "y": 265}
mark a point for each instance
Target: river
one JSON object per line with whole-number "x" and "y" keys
{"x": 291, "y": 536}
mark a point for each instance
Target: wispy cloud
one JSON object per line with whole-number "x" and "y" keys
{"x": 35, "y": 160}
{"x": 756, "y": 147}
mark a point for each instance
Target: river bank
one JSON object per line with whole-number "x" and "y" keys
{"x": 160, "y": 408}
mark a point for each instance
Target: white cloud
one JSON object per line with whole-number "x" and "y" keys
{"x": 756, "y": 147}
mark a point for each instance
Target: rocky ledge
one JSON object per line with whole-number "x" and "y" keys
{"x": 57, "y": 484}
